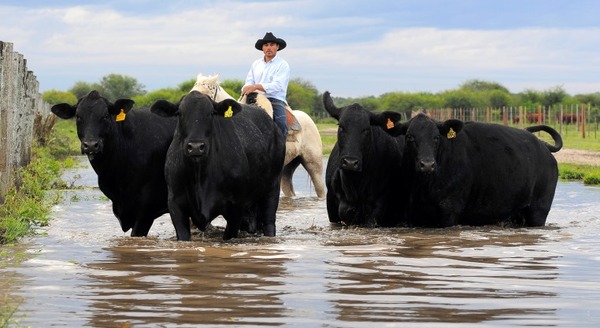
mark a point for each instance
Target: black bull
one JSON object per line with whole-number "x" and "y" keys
{"x": 225, "y": 159}
{"x": 476, "y": 173}
{"x": 362, "y": 175}
{"x": 127, "y": 150}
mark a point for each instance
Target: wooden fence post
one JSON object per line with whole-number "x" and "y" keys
{"x": 560, "y": 119}
{"x": 520, "y": 117}
{"x": 583, "y": 121}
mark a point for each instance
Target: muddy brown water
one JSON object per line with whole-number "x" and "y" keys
{"x": 83, "y": 271}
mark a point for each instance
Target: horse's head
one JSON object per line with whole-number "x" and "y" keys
{"x": 208, "y": 85}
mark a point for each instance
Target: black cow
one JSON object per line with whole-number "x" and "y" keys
{"x": 477, "y": 174}
{"x": 225, "y": 159}
{"x": 127, "y": 149}
{"x": 361, "y": 177}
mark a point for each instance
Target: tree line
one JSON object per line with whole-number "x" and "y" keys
{"x": 303, "y": 95}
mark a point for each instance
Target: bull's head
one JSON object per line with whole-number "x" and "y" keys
{"x": 198, "y": 115}
{"x": 355, "y": 125}
{"x": 424, "y": 137}
{"x": 95, "y": 118}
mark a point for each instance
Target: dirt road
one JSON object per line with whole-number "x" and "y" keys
{"x": 578, "y": 156}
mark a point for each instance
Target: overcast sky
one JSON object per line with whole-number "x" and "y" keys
{"x": 350, "y": 48}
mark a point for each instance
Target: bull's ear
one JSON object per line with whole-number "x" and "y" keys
{"x": 389, "y": 121}
{"x": 125, "y": 104}
{"x": 402, "y": 129}
{"x": 451, "y": 128}
{"x": 330, "y": 106}
{"x": 64, "y": 111}
{"x": 164, "y": 108}
{"x": 227, "y": 108}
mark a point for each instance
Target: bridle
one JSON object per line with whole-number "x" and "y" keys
{"x": 211, "y": 88}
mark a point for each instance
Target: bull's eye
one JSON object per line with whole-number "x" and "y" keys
{"x": 410, "y": 138}
{"x": 436, "y": 139}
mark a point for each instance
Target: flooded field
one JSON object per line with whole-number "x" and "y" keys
{"x": 83, "y": 271}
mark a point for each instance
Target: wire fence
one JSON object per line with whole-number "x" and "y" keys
{"x": 580, "y": 117}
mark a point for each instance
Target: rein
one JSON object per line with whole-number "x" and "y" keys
{"x": 216, "y": 90}
{"x": 210, "y": 88}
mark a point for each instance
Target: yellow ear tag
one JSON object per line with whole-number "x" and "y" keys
{"x": 121, "y": 116}
{"x": 451, "y": 134}
{"x": 228, "y": 113}
{"x": 389, "y": 124}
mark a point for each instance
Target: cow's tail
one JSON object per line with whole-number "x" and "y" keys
{"x": 558, "y": 143}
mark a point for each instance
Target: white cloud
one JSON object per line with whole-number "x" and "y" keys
{"x": 333, "y": 52}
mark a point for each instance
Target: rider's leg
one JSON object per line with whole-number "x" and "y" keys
{"x": 279, "y": 115}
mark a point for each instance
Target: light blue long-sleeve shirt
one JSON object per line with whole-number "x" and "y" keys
{"x": 274, "y": 76}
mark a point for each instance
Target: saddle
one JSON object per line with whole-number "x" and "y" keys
{"x": 291, "y": 120}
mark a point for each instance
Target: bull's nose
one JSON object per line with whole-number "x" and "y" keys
{"x": 196, "y": 148}
{"x": 90, "y": 146}
{"x": 351, "y": 164}
{"x": 426, "y": 166}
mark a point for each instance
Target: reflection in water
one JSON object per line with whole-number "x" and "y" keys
{"x": 86, "y": 272}
{"x": 444, "y": 276}
{"x": 160, "y": 283}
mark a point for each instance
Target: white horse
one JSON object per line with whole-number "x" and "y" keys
{"x": 303, "y": 144}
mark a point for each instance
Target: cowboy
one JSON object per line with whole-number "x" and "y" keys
{"x": 271, "y": 75}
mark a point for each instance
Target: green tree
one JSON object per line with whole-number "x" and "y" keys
{"x": 499, "y": 99}
{"x": 408, "y": 102}
{"x": 553, "y": 96}
{"x": 233, "y": 87}
{"x": 302, "y": 95}
{"x": 592, "y": 98}
{"x": 370, "y": 103}
{"x": 171, "y": 94}
{"x": 479, "y": 85}
{"x": 81, "y": 88}
{"x": 54, "y": 97}
{"x": 460, "y": 99}
{"x": 530, "y": 97}
{"x": 117, "y": 86}
{"x": 187, "y": 85}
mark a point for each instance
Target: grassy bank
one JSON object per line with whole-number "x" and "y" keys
{"x": 28, "y": 206}
{"x": 588, "y": 174}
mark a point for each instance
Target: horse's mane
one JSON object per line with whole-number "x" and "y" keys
{"x": 209, "y": 85}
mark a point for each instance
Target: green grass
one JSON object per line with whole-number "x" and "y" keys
{"x": 28, "y": 205}
{"x": 588, "y": 174}
{"x": 573, "y": 138}
{"x": 328, "y": 133}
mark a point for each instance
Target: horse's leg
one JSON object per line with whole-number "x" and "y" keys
{"x": 287, "y": 186}
{"x": 315, "y": 170}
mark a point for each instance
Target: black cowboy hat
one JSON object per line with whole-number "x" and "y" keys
{"x": 269, "y": 37}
